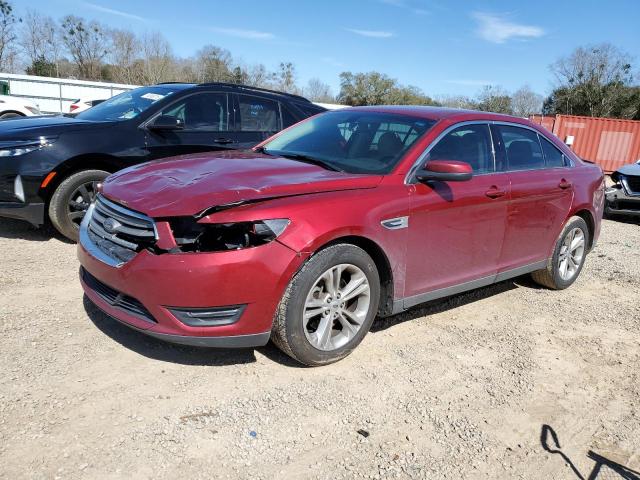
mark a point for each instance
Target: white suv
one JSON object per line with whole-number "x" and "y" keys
{"x": 14, "y": 107}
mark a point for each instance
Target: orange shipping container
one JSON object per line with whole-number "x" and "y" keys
{"x": 609, "y": 142}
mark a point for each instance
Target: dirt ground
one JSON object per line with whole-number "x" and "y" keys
{"x": 510, "y": 381}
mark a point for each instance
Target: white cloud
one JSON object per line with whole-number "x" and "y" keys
{"x": 404, "y": 4}
{"x": 496, "y": 29}
{"x": 112, "y": 11}
{"x": 240, "y": 33}
{"x": 371, "y": 33}
{"x": 333, "y": 62}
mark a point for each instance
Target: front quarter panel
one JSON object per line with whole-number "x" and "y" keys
{"x": 319, "y": 219}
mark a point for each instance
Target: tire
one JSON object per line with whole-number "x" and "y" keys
{"x": 10, "y": 115}
{"x": 66, "y": 212}
{"x": 552, "y": 276}
{"x": 295, "y": 338}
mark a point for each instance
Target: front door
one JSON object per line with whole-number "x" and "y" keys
{"x": 456, "y": 229}
{"x": 206, "y": 119}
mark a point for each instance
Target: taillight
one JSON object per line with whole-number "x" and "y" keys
{"x": 73, "y": 107}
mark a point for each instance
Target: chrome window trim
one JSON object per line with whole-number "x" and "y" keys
{"x": 144, "y": 125}
{"x": 410, "y": 176}
{"x": 410, "y": 179}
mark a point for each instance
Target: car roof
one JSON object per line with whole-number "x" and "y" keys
{"x": 234, "y": 86}
{"x": 442, "y": 113}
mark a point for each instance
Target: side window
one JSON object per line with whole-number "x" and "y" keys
{"x": 258, "y": 114}
{"x": 287, "y": 117}
{"x": 553, "y": 157}
{"x": 522, "y": 148}
{"x": 203, "y": 111}
{"x": 468, "y": 143}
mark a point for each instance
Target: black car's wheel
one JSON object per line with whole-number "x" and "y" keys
{"x": 71, "y": 200}
{"x": 328, "y": 307}
{"x": 568, "y": 256}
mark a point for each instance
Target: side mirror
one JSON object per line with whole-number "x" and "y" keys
{"x": 166, "y": 122}
{"x": 445, "y": 171}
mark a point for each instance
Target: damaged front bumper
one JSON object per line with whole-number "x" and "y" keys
{"x": 621, "y": 200}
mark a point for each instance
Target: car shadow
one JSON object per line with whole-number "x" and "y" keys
{"x": 604, "y": 468}
{"x": 10, "y": 228}
{"x": 156, "y": 349}
{"x": 449, "y": 303}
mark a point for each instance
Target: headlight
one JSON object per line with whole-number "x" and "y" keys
{"x": 15, "y": 148}
{"x": 218, "y": 237}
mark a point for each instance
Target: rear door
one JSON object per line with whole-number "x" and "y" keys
{"x": 257, "y": 118}
{"x": 207, "y": 120}
{"x": 541, "y": 194}
{"x": 456, "y": 229}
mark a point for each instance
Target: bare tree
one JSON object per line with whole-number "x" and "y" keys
{"x": 158, "y": 63}
{"x": 525, "y": 102}
{"x": 213, "y": 64}
{"x": 287, "y": 78}
{"x": 125, "y": 48}
{"x": 7, "y": 36}
{"x": 40, "y": 43}
{"x": 318, "y": 91}
{"x": 259, "y": 76}
{"x": 593, "y": 78}
{"x": 457, "y": 101}
{"x": 87, "y": 43}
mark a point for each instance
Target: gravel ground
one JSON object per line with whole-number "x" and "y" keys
{"x": 475, "y": 386}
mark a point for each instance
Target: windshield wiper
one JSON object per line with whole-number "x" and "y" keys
{"x": 301, "y": 157}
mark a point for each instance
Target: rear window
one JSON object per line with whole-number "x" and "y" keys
{"x": 552, "y": 156}
{"x": 522, "y": 148}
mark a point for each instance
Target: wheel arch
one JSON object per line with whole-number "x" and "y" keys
{"x": 76, "y": 164}
{"x": 587, "y": 216}
{"x": 376, "y": 252}
{"x": 13, "y": 111}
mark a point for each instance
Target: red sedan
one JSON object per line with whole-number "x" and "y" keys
{"x": 349, "y": 215}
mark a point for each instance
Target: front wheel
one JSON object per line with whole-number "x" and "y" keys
{"x": 71, "y": 200}
{"x": 568, "y": 256}
{"x": 329, "y": 306}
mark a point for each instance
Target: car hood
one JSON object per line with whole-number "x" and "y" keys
{"x": 27, "y": 128}
{"x": 192, "y": 184}
{"x": 631, "y": 169}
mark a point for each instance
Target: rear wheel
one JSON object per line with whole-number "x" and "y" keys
{"x": 329, "y": 306}
{"x": 568, "y": 256}
{"x": 71, "y": 200}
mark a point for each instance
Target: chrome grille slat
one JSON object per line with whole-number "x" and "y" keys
{"x": 118, "y": 230}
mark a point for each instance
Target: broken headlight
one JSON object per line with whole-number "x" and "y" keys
{"x": 191, "y": 236}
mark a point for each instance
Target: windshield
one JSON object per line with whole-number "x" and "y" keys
{"x": 127, "y": 105}
{"x": 355, "y": 141}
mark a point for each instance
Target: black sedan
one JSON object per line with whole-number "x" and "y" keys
{"x": 51, "y": 165}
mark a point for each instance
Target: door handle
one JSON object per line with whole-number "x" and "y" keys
{"x": 564, "y": 184}
{"x": 494, "y": 192}
{"x": 222, "y": 140}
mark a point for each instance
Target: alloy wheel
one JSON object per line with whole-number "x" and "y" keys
{"x": 571, "y": 254}
{"x": 336, "y": 307}
{"x": 80, "y": 200}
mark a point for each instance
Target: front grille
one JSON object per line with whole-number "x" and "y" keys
{"x": 627, "y": 205}
{"x": 116, "y": 298}
{"x": 632, "y": 184}
{"x": 119, "y": 232}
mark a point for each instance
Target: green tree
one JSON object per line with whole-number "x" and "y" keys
{"x": 495, "y": 99}
{"x": 42, "y": 67}
{"x": 374, "y": 88}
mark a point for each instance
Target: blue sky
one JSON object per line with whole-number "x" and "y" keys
{"x": 442, "y": 47}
